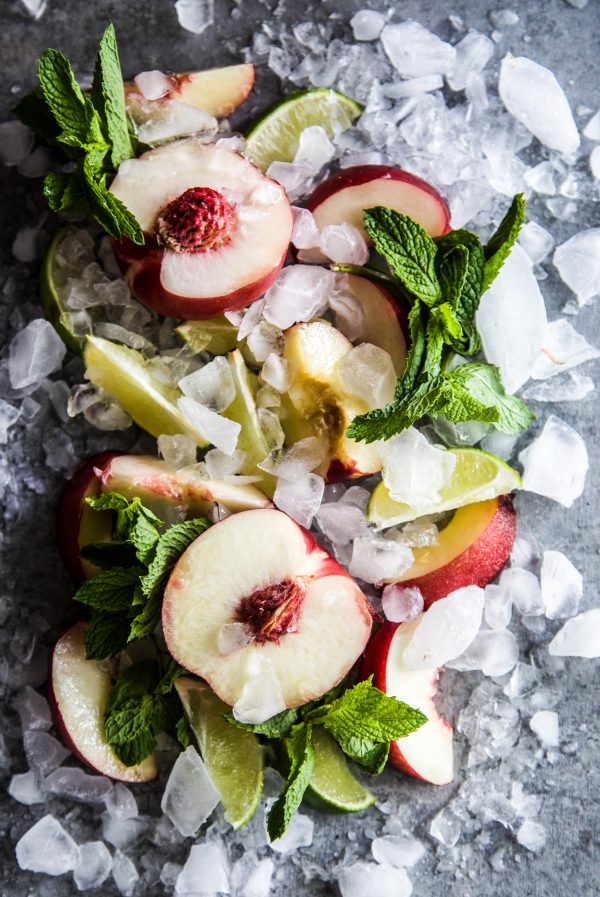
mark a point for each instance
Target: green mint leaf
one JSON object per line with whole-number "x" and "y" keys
{"x": 500, "y": 245}
{"x": 169, "y": 549}
{"x": 302, "y": 760}
{"x": 110, "y": 554}
{"x": 459, "y": 241}
{"x": 144, "y": 537}
{"x": 130, "y": 729}
{"x": 172, "y": 672}
{"x": 279, "y": 726}
{"x": 106, "y": 635}
{"x": 108, "y": 97}
{"x": 66, "y": 194}
{"x": 33, "y": 111}
{"x": 136, "y": 681}
{"x": 482, "y": 383}
{"x": 108, "y": 501}
{"x": 444, "y": 321}
{"x": 183, "y": 732}
{"x": 451, "y": 267}
{"x": 144, "y": 624}
{"x": 369, "y": 756}
{"x": 108, "y": 211}
{"x": 62, "y": 93}
{"x": 111, "y": 590}
{"x": 408, "y": 249}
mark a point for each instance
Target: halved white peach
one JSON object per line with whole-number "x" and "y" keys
{"x": 216, "y": 229}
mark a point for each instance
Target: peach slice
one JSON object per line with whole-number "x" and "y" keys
{"x": 471, "y": 550}
{"x": 263, "y": 572}
{"x": 218, "y": 91}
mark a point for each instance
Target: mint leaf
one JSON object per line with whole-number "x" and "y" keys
{"x": 106, "y": 635}
{"x": 450, "y": 269}
{"x": 108, "y": 501}
{"x": 108, "y": 211}
{"x": 130, "y": 729}
{"x": 482, "y": 383}
{"x": 33, "y": 111}
{"x": 500, "y": 245}
{"x": 408, "y": 249}
{"x": 302, "y": 760}
{"x": 110, "y": 554}
{"x": 108, "y": 96}
{"x": 62, "y": 93}
{"x": 369, "y": 756}
{"x": 143, "y": 535}
{"x": 110, "y": 590}
{"x": 66, "y": 194}
{"x": 183, "y": 732}
{"x": 279, "y": 726}
{"x": 169, "y": 549}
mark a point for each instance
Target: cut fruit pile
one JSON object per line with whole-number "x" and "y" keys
{"x": 267, "y": 590}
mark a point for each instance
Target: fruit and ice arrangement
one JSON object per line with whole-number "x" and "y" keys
{"x": 321, "y": 516}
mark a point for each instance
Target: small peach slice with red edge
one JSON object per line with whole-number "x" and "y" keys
{"x": 266, "y": 573}
{"x": 471, "y": 550}
{"x": 343, "y": 197}
{"x": 384, "y": 319}
{"x": 218, "y": 91}
{"x": 79, "y": 690}
{"x": 216, "y": 229}
{"x": 426, "y": 754}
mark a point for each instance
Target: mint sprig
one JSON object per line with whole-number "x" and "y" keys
{"x": 87, "y": 130}
{"x": 443, "y": 281}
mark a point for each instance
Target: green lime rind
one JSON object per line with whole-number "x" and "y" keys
{"x": 52, "y": 291}
{"x": 217, "y": 335}
{"x": 332, "y": 786}
{"x": 477, "y": 476}
{"x": 233, "y": 757}
{"x": 276, "y": 135}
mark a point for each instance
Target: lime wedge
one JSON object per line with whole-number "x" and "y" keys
{"x": 332, "y": 786}
{"x": 54, "y": 290}
{"x": 124, "y": 374}
{"x": 216, "y": 335}
{"x": 275, "y": 137}
{"x": 477, "y": 476}
{"x": 233, "y": 757}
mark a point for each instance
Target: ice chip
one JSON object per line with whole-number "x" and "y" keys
{"x": 26, "y": 789}
{"x": 177, "y": 451}
{"x": 35, "y": 352}
{"x": 415, "y": 51}
{"x": 300, "y": 498}
{"x": 341, "y": 522}
{"x": 120, "y": 802}
{"x": 189, "y": 797}
{"x": 595, "y": 162}
{"x": 93, "y": 865}
{"x": 562, "y": 586}
{"x": 401, "y": 604}
{"x": 153, "y": 84}
{"x": 524, "y": 590}
{"x": 591, "y": 130}
{"x": 494, "y": 652}
{"x": 122, "y": 833}
{"x": 205, "y": 871}
{"x": 544, "y": 724}
{"x": 532, "y": 836}
{"x": 315, "y": 149}
{"x": 511, "y": 320}
{"x": 124, "y": 873}
{"x": 263, "y": 340}
{"x": 295, "y": 179}
{"x": 397, "y": 851}
{"x": 275, "y": 372}
{"x": 16, "y": 142}
{"x": 216, "y": 429}
{"x": 541, "y": 178}
{"x": 368, "y": 372}
{"x": 473, "y": 53}
{"x": 8, "y": 416}
{"x": 344, "y": 245}
{"x": 211, "y": 385}
{"x": 305, "y": 233}
{"x": 232, "y": 636}
{"x": 44, "y": 753}
{"x": 195, "y": 15}
{"x": 299, "y": 833}
{"x": 301, "y": 458}
{"x": 299, "y": 293}
{"x": 74, "y": 783}
{"x": 536, "y": 241}
{"x": 415, "y": 471}
{"x": 361, "y": 878}
{"x": 569, "y": 387}
{"x": 498, "y": 606}
{"x": 366, "y": 24}
{"x": 47, "y": 847}
{"x": 534, "y": 97}
{"x": 33, "y": 710}
{"x": 220, "y": 465}
{"x": 501, "y": 18}
{"x": 349, "y": 314}
{"x": 578, "y": 263}
{"x": 446, "y": 629}
{"x": 579, "y": 637}
{"x": 258, "y": 882}
{"x": 556, "y": 463}
{"x": 563, "y": 348}
{"x": 445, "y": 828}
{"x": 262, "y": 696}
{"x": 375, "y": 559}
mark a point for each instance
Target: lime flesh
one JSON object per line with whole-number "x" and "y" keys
{"x": 233, "y": 757}
{"x": 477, "y": 476}
{"x": 275, "y": 137}
{"x": 332, "y": 786}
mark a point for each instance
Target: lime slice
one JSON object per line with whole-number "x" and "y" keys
{"x": 275, "y": 137}
{"x": 124, "y": 375}
{"x": 332, "y": 786}
{"x": 216, "y": 336}
{"x": 233, "y": 757}
{"x": 477, "y": 476}
{"x": 54, "y": 290}
{"x": 243, "y": 411}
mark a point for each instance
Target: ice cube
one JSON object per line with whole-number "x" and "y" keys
{"x": 523, "y": 680}
{"x": 305, "y": 233}
{"x": 534, "y": 97}
{"x": 205, "y": 871}
{"x": 315, "y": 149}
{"x": 446, "y": 629}
{"x": 35, "y": 8}
{"x": 512, "y": 320}
{"x": 300, "y": 498}
{"x": 47, "y": 847}
{"x": 172, "y": 118}
{"x": 414, "y": 87}
{"x": 563, "y": 348}
{"x": 216, "y": 429}
{"x": 366, "y": 24}
{"x": 195, "y": 15}
{"x": 414, "y": 471}
{"x": 555, "y": 464}
{"x": 35, "y": 352}
{"x": 544, "y": 724}
{"x": 219, "y": 465}
{"x": 445, "y": 828}
{"x": 16, "y": 142}
{"x": 494, "y": 652}
{"x": 44, "y": 753}
{"x": 299, "y": 293}
{"x": 263, "y": 340}
{"x": 541, "y": 178}
{"x": 368, "y": 372}
{"x": 569, "y": 387}
{"x": 177, "y": 451}
{"x": 348, "y": 312}
{"x": 258, "y": 882}
{"x": 28, "y": 244}
{"x": 579, "y": 637}
{"x": 120, "y": 802}
{"x": 498, "y": 607}
{"x": 401, "y": 604}
{"x": 122, "y": 833}
{"x": 153, "y": 84}
{"x": 375, "y": 559}
{"x": 74, "y": 783}
{"x": 8, "y": 416}
{"x": 231, "y": 637}
{"x": 415, "y": 51}
{"x": 341, "y": 522}
{"x": 124, "y": 872}
{"x": 33, "y": 710}
{"x": 524, "y": 590}
{"x": 595, "y": 162}
{"x": 536, "y": 241}
{"x": 26, "y": 789}
{"x": 591, "y": 130}
{"x": 344, "y": 245}
{"x": 562, "y": 586}
{"x": 271, "y": 429}
{"x": 361, "y": 878}
{"x": 532, "y": 836}
{"x": 503, "y": 18}
{"x": 299, "y": 833}
{"x": 420, "y": 533}
{"x": 578, "y": 263}
{"x": 93, "y": 865}
{"x": 262, "y": 696}
{"x": 296, "y": 179}
{"x": 211, "y": 385}
{"x": 189, "y": 797}
{"x": 473, "y": 53}
{"x": 396, "y": 851}
{"x": 275, "y": 372}
{"x": 525, "y": 805}
{"x": 302, "y": 457}
{"x": 107, "y": 415}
